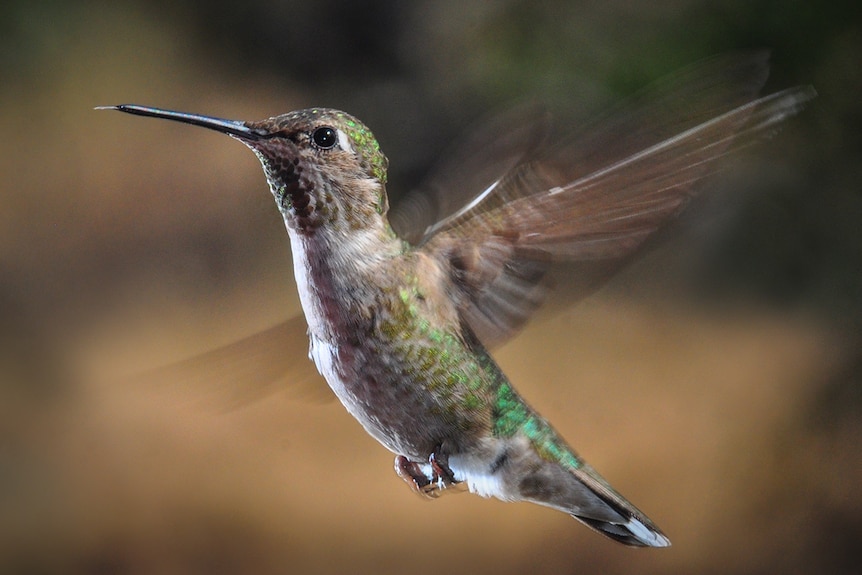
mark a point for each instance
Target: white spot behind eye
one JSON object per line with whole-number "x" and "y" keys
{"x": 344, "y": 142}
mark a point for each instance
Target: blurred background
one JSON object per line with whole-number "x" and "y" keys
{"x": 716, "y": 382}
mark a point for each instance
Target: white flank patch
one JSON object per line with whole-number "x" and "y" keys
{"x": 476, "y": 473}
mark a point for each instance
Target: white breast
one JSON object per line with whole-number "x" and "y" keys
{"x": 323, "y": 355}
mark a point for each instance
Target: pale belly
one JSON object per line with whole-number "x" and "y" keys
{"x": 397, "y": 412}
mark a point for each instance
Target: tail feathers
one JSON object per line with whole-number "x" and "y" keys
{"x": 628, "y": 525}
{"x": 634, "y": 532}
{"x": 583, "y": 493}
{"x": 565, "y": 483}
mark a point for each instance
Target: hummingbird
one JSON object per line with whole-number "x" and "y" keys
{"x": 400, "y": 323}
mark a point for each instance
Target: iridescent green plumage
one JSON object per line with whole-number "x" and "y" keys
{"x": 368, "y": 148}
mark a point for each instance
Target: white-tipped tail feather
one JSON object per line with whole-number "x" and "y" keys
{"x": 520, "y": 474}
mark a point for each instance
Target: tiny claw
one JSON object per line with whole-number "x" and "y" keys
{"x": 419, "y": 480}
{"x": 443, "y": 476}
{"x": 430, "y": 479}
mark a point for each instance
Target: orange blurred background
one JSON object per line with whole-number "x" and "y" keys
{"x": 715, "y": 382}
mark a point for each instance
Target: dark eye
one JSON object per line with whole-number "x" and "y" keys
{"x": 324, "y": 138}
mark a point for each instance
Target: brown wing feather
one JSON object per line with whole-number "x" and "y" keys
{"x": 599, "y": 195}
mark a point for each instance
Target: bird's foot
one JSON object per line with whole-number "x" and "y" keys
{"x": 427, "y": 479}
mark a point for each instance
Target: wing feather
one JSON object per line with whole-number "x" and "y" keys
{"x": 598, "y": 195}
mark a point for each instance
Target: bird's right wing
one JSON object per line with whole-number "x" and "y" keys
{"x": 250, "y": 368}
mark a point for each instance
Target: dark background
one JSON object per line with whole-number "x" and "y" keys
{"x": 715, "y": 382}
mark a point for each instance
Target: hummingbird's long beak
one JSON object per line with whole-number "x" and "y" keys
{"x": 230, "y": 127}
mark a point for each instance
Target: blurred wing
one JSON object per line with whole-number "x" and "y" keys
{"x": 609, "y": 212}
{"x": 489, "y": 149}
{"x": 597, "y": 196}
{"x": 248, "y": 369}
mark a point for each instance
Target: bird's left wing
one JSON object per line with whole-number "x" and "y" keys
{"x": 596, "y": 196}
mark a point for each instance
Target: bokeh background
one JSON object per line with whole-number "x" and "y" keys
{"x": 717, "y": 381}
